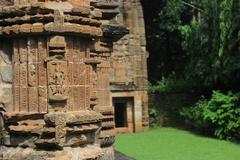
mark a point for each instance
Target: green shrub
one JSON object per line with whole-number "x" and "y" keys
{"x": 220, "y": 115}
{"x": 160, "y": 86}
{"x": 194, "y": 117}
{"x": 173, "y": 84}
{"x": 224, "y": 113}
{"x": 156, "y": 118}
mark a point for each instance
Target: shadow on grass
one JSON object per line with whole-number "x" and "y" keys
{"x": 202, "y": 133}
{"x": 121, "y": 156}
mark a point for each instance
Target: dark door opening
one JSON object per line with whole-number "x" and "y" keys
{"x": 120, "y": 115}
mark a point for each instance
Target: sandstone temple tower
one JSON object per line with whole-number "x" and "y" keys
{"x": 128, "y": 74}
{"x": 126, "y": 71}
{"x": 50, "y": 52}
{"x": 65, "y": 66}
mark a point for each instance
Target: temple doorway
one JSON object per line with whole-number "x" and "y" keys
{"x": 121, "y": 115}
{"x": 123, "y": 107}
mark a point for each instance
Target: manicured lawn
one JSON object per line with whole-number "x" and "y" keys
{"x": 173, "y": 144}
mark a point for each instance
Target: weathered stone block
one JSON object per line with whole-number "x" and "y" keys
{"x": 6, "y": 98}
{"x": 6, "y": 73}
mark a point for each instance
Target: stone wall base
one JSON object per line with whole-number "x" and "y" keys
{"x": 108, "y": 153}
{"x": 68, "y": 153}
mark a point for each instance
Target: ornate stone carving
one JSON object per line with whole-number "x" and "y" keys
{"x": 51, "y": 112}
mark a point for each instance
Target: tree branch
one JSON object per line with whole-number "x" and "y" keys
{"x": 191, "y": 5}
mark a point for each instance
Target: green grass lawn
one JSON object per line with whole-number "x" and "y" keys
{"x": 173, "y": 144}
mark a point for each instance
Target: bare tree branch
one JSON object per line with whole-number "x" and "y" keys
{"x": 192, "y": 6}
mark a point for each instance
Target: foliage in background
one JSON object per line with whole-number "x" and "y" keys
{"x": 220, "y": 115}
{"x": 211, "y": 44}
{"x": 172, "y": 84}
{"x": 154, "y": 115}
{"x": 198, "y": 42}
{"x": 195, "y": 39}
{"x": 161, "y": 86}
{"x": 193, "y": 116}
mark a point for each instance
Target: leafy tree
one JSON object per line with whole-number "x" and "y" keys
{"x": 196, "y": 40}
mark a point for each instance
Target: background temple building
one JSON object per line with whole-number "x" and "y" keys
{"x": 128, "y": 75}
{"x": 128, "y": 72}
{"x": 65, "y": 67}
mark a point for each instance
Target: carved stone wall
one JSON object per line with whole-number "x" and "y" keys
{"x": 58, "y": 76}
{"x": 128, "y": 73}
{"x": 55, "y": 71}
{"x": 49, "y": 54}
{"x": 126, "y": 67}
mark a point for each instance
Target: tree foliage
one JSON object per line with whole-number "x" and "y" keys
{"x": 196, "y": 40}
{"x": 219, "y": 115}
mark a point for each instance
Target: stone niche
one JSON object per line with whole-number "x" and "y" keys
{"x": 49, "y": 57}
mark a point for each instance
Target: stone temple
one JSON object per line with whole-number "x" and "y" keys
{"x": 65, "y": 67}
